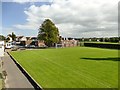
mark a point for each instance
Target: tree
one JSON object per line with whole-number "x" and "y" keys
{"x": 2, "y": 37}
{"x": 48, "y": 32}
{"x": 13, "y": 36}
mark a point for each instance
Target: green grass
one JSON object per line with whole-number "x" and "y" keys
{"x": 79, "y": 67}
{"x": 0, "y": 84}
{"x": 1, "y": 80}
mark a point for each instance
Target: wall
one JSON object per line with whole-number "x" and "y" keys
{"x": 2, "y": 48}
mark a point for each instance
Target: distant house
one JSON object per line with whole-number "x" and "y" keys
{"x": 10, "y": 39}
{"x": 41, "y": 43}
{"x": 29, "y": 41}
{"x": 18, "y": 38}
{"x": 21, "y": 40}
{"x": 69, "y": 43}
{"x": 33, "y": 41}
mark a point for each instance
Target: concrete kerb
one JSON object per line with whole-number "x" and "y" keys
{"x": 27, "y": 75}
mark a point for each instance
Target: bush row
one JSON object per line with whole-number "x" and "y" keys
{"x": 103, "y": 45}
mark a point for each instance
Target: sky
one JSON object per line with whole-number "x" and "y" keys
{"x": 74, "y": 18}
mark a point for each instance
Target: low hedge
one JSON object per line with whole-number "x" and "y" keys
{"x": 102, "y": 45}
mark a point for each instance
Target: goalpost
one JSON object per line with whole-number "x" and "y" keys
{"x": 59, "y": 45}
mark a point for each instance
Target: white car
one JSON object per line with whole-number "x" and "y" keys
{"x": 9, "y": 45}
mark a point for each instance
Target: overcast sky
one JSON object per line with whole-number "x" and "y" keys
{"x": 74, "y": 18}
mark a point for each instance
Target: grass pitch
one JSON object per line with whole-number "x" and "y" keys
{"x": 78, "y": 67}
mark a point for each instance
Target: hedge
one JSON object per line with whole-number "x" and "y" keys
{"x": 102, "y": 45}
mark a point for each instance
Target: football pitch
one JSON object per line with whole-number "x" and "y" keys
{"x": 77, "y": 67}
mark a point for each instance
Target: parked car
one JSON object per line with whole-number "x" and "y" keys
{"x": 30, "y": 46}
{"x": 9, "y": 45}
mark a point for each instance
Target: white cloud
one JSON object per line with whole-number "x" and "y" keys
{"x": 76, "y": 18}
{"x": 24, "y": 1}
{"x": 6, "y": 31}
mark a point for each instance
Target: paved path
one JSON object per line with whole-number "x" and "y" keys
{"x": 15, "y": 79}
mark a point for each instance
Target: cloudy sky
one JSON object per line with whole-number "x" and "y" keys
{"x": 74, "y": 18}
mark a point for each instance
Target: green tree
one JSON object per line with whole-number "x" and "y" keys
{"x": 49, "y": 33}
{"x": 2, "y": 37}
{"x": 13, "y": 36}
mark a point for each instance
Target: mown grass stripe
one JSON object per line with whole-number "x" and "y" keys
{"x": 65, "y": 68}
